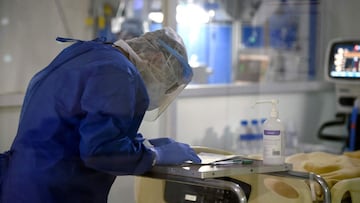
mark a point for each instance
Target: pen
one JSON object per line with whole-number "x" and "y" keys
{"x": 233, "y": 161}
{"x": 222, "y": 162}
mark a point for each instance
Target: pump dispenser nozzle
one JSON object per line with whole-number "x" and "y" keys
{"x": 274, "y": 112}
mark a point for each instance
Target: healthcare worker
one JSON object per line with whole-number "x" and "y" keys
{"x": 79, "y": 122}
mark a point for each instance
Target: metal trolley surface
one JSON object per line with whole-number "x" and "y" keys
{"x": 208, "y": 176}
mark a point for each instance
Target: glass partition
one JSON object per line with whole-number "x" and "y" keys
{"x": 228, "y": 42}
{"x": 249, "y": 41}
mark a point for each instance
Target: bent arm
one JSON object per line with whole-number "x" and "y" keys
{"x": 115, "y": 104}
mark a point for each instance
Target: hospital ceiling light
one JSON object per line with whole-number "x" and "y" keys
{"x": 192, "y": 14}
{"x": 156, "y": 17}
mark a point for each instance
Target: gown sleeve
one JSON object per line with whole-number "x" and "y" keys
{"x": 114, "y": 101}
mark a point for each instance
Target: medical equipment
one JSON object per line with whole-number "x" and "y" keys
{"x": 237, "y": 183}
{"x": 219, "y": 170}
{"x": 342, "y": 67}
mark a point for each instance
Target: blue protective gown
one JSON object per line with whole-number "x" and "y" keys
{"x": 78, "y": 128}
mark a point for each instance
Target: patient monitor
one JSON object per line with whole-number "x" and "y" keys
{"x": 342, "y": 67}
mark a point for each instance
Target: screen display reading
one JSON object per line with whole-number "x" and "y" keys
{"x": 344, "y": 60}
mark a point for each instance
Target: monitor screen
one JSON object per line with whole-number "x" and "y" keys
{"x": 344, "y": 60}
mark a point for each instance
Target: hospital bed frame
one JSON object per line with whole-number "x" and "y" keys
{"x": 208, "y": 177}
{"x": 235, "y": 188}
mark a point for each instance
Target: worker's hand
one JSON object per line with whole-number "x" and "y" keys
{"x": 157, "y": 142}
{"x": 175, "y": 153}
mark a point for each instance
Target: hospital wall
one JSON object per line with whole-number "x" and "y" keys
{"x": 305, "y": 105}
{"x": 305, "y": 108}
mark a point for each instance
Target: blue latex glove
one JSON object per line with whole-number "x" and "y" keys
{"x": 175, "y": 153}
{"x": 157, "y": 142}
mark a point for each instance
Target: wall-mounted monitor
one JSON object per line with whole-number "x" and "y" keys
{"x": 343, "y": 61}
{"x": 342, "y": 67}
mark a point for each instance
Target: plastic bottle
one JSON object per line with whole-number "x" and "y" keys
{"x": 243, "y": 138}
{"x": 227, "y": 139}
{"x": 211, "y": 138}
{"x": 256, "y": 137}
{"x": 273, "y": 137}
{"x": 291, "y": 139}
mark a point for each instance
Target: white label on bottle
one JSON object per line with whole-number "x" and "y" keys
{"x": 272, "y": 143}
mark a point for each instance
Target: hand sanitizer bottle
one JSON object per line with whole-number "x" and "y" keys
{"x": 273, "y": 137}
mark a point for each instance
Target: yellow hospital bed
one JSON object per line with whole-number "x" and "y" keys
{"x": 341, "y": 172}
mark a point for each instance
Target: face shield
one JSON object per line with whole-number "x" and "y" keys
{"x": 162, "y": 62}
{"x": 161, "y": 98}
